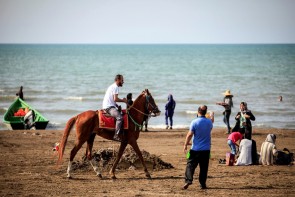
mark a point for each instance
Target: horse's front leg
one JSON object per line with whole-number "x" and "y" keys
{"x": 120, "y": 153}
{"x": 138, "y": 152}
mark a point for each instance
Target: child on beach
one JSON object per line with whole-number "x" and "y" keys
{"x": 210, "y": 115}
{"x": 232, "y": 140}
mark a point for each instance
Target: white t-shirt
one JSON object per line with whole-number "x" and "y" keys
{"x": 108, "y": 99}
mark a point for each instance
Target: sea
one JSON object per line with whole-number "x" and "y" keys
{"x": 63, "y": 80}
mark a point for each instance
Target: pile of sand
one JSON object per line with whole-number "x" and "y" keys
{"x": 106, "y": 157}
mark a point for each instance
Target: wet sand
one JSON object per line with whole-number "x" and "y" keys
{"x": 28, "y": 168}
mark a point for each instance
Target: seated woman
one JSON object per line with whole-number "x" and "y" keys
{"x": 268, "y": 150}
{"x": 245, "y": 157}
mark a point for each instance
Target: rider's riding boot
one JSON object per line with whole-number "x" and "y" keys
{"x": 117, "y": 138}
{"x": 119, "y": 130}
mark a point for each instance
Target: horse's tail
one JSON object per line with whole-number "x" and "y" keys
{"x": 64, "y": 139}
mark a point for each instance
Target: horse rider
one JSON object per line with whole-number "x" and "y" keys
{"x": 110, "y": 106}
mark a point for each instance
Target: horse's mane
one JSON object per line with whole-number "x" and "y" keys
{"x": 146, "y": 91}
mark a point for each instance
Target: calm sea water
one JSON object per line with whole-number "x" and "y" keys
{"x": 61, "y": 81}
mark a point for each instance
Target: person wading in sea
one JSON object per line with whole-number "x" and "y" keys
{"x": 20, "y": 93}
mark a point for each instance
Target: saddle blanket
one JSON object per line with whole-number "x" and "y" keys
{"x": 108, "y": 122}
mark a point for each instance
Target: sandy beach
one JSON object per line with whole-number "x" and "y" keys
{"x": 27, "y": 166}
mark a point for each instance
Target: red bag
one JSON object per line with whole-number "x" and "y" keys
{"x": 20, "y": 112}
{"x": 230, "y": 159}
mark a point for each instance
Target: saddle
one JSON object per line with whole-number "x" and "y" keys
{"x": 108, "y": 122}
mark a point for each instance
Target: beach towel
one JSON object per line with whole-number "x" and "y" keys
{"x": 109, "y": 122}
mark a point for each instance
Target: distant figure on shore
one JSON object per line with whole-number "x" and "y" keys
{"x": 243, "y": 119}
{"x": 146, "y": 121}
{"x": 268, "y": 150}
{"x": 200, "y": 133}
{"x": 227, "y": 104}
{"x": 169, "y": 111}
{"x": 20, "y": 93}
{"x": 129, "y": 99}
{"x": 280, "y": 98}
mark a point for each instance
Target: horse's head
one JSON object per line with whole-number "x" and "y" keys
{"x": 151, "y": 106}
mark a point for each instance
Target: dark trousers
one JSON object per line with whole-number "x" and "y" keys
{"x": 197, "y": 157}
{"x": 226, "y": 119}
{"x": 170, "y": 119}
{"x": 247, "y": 132}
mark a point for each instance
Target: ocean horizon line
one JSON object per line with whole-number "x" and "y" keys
{"x": 130, "y": 44}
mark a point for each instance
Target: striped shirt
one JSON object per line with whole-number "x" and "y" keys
{"x": 267, "y": 153}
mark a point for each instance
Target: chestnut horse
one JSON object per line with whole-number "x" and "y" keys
{"x": 87, "y": 127}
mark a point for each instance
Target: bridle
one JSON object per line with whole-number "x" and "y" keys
{"x": 147, "y": 104}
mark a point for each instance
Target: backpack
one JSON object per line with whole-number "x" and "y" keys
{"x": 284, "y": 157}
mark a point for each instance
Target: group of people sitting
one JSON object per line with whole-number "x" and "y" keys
{"x": 247, "y": 151}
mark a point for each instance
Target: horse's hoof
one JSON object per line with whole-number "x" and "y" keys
{"x": 148, "y": 176}
{"x": 99, "y": 176}
{"x": 114, "y": 177}
{"x": 69, "y": 177}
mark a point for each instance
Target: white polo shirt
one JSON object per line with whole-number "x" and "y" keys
{"x": 108, "y": 100}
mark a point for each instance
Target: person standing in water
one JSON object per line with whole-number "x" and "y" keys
{"x": 227, "y": 104}
{"x": 20, "y": 93}
{"x": 280, "y": 98}
{"x": 169, "y": 111}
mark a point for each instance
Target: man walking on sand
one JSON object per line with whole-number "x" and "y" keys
{"x": 110, "y": 106}
{"x": 200, "y": 133}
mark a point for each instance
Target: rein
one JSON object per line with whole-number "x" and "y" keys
{"x": 149, "y": 114}
{"x": 138, "y": 111}
{"x": 137, "y": 124}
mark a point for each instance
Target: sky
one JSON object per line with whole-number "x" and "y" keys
{"x": 147, "y": 21}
